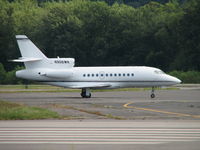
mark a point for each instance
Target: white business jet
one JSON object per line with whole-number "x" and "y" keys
{"x": 61, "y": 72}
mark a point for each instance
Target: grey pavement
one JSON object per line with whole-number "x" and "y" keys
{"x": 170, "y": 121}
{"x": 168, "y": 104}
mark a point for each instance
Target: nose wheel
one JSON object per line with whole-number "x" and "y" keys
{"x": 86, "y": 93}
{"x": 152, "y": 93}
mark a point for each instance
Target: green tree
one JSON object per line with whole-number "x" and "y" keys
{"x": 188, "y": 39}
{"x": 6, "y": 33}
{"x": 159, "y": 34}
{"x": 2, "y": 74}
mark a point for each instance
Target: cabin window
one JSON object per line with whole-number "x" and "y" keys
{"x": 115, "y": 74}
{"x": 159, "y": 72}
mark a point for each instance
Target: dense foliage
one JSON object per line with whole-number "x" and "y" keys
{"x": 8, "y": 77}
{"x": 187, "y": 77}
{"x": 164, "y": 35}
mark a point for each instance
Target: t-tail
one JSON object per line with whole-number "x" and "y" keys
{"x": 32, "y": 57}
{"x": 37, "y": 63}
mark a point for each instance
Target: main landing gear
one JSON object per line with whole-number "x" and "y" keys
{"x": 152, "y": 92}
{"x": 86, "y": 93}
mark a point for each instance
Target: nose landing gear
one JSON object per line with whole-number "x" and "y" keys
{"x": 152, "y": 92}
{"x": 86, "y": 93}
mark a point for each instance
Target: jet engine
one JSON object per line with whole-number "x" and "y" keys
{"x": 61, "y": 74}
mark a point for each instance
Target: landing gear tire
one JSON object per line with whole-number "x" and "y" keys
{"x": 86, "y": 93}
{"x": 153, "y": 96}
{"x": 88, "y": 96}
{"x": 152, "y": 93}
{"x": 85, "y": 96}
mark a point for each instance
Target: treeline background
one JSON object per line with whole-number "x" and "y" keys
{"x": 159, "y": 33}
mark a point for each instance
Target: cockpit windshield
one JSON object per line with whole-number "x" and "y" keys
{"x": 159, "y": 72}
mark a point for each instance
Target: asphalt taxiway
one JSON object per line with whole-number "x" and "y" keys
{"x": 109, "y": 120}
{"x": 124, "y": 105}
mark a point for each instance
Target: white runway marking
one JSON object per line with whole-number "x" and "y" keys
{"x": 97, "y": 135}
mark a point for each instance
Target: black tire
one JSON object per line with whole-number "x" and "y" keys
{"x": 153, "y": 96}
{"x": 85, "y": 96}
{"x": 89, "y": 96}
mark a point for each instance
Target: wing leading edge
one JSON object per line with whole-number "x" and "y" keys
{"x": 80, "y": 85}
{"x": 93, "y": 86}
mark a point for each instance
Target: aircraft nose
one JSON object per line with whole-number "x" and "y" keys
{"x": 175, "y": 80}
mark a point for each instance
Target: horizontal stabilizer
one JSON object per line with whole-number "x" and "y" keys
{"x": 21, "y": 37}
{"x": 22, "y": 59}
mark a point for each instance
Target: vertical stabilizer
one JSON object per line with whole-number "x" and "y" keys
{"x": 33, "y": 58}
{"x": 27, "y": 48}
{"x": 31, "y": 55}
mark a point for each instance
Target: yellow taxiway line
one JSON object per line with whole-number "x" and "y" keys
{"x": 160, "y": 111}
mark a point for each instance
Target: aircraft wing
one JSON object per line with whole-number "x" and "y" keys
{"x": 90, "y": 85}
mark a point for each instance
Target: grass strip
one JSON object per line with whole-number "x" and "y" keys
{"x": 39, "y": 91}
{"x": 15, "y": 111}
